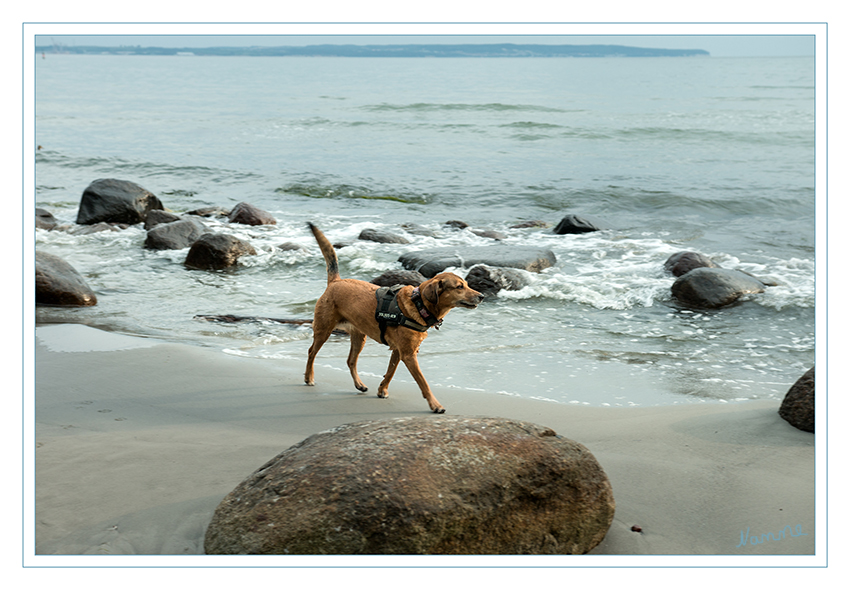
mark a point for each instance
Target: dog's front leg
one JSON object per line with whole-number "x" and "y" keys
{"x": 412, "y": 364}
{"x": 382, "y": 388}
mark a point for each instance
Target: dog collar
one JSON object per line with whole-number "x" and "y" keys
{"x": 416, "y": 297}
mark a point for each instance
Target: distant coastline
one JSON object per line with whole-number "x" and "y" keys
{"x": 466, "y": 50}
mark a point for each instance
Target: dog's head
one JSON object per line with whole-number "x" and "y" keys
{"x": 447, "y": 290}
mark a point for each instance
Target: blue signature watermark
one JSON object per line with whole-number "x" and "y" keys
{"x": 747, "y": 539}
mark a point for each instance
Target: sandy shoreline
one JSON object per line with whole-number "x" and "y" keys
{"x": 136, "y": 442}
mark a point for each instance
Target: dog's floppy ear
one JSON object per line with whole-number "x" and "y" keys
{"x": 431, "y": 291}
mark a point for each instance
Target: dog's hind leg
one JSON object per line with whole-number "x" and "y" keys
{"x": 358, "y": 339}
{"x": 382, "y": 389}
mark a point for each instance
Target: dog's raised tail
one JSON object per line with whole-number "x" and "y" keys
{"x": 328, "y": 253}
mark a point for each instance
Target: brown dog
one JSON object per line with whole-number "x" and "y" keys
{"x": 350, "y": 305}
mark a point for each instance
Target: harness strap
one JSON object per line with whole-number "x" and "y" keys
{"x": 388, "y": 313}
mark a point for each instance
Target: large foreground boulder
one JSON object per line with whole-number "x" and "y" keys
{"x": 433, "y": 261}
{"x": 115, "y": 201}
{"x": 175, "y": 235}
{"x": 452, "y": 485}
{"x": 798, "y": 407}
{"x": 217, "y": 252}
{"x": 714, "y": 287}
{"x": 59, "y": 283}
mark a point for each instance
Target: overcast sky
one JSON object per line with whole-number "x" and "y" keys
{"x": 716, "y": 45}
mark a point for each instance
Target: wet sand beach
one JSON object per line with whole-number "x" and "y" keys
{"x": 138, "y": 440}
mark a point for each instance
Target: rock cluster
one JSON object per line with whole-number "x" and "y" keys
{"x": 453, "y": 485}
{"x": 111, "y": 205}
{"x": 703, "y": 284}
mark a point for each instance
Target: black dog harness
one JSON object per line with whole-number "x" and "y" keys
{"x": 388, "y": 313}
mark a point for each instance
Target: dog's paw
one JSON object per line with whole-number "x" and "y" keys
{"x": 383, "y": 394}
{"x": 440, "y": 410}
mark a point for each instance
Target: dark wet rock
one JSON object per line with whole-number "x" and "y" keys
{"x": 532, "y": 223}
{"x": 399, "y": 277}
{"x": 84, "y": 230}
{"x": 291, "y": 247}
{"x": 576, "y": 224}
{"x": 488, "y": 233}
{"x": 209, "y": 212}
{"x": 175, "y": 235}
{"x": 158, "y": 217}
{"x": 435, "y": 260}
{"x": 116, "y": 201}
{"x": 420, "y": 486}
{"x": 489, "y": 281}
{"x": 456, "y": 224}
{"x": 217, "y": 252}
{"x": 44, "y": 219}
{"x": 248, "y": 214}
{"x": 232, "y": 319}
{"x": 382, "y": 237}
{"x": 418, "y": 230}
{"x": 59, "y": 283}
{"x": 798, "y": 407}
{"x": 683, "y": 262}
{"x": 714, "y": 287}
{"x": 481, "y": 233}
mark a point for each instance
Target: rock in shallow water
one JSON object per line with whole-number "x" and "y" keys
{"x": 248, "y": 214}
{"x": 714, "y": 287}
{"x": 115, "y": 201}
{"x": 399, "y": 277}
{"x": 683, "y": 262}
{"x": 433, "y": 261}
{"x": 576, "y": 224}
{"x": 44, "y": 219}
{"x": 447, "y": 485}
{"x": 489, "y": 281}
{"x": 175, "y": 235}
{"x": 798, "y": 406}
{"x": 217, "y": 252}
{"x": 59, "y": 283}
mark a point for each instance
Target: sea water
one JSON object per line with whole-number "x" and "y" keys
{"x": 713, "y": 155}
